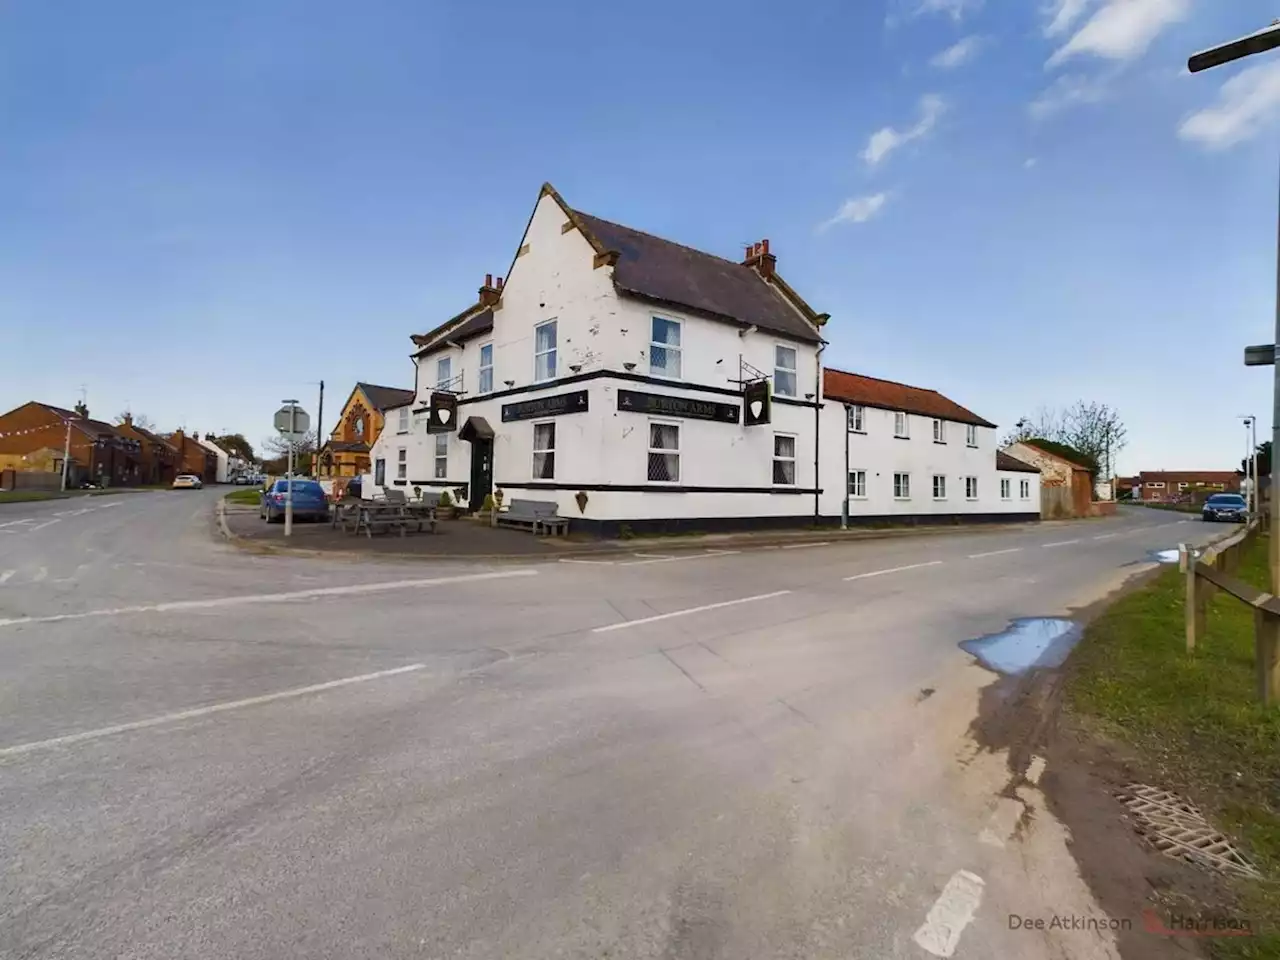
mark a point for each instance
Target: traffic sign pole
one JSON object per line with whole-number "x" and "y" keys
{"x": 290, "y": 420}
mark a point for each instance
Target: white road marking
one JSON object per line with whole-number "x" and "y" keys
{"x": 1002, "y": 823}
{"x": 202, "y": 711}
{"x": 688, "y": 556}
{"x": 801, "y": 546}
{"x": 993, "y": 553}
{"x": 1035, "y": 770}
{"x": 354, "y": 589}
{"x": 603, "y": 563}
{"x": 682, "y": 613}
{"x": 880, "y": 573}
{"x": 1106, "y": 536}
{"x": 950, "y": 914}
{"x": 40, "y": 575}
{"x": 1061, "y": 543}
{"x": 6, "y": 576}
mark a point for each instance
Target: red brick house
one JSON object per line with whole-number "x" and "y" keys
{"x": 193, "y": 457}
{"x": 99, "y": 454}
{"x": 158, "y": 457}
{"x": 1163, "y": 486}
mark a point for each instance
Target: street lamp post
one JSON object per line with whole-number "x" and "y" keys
{"x": 1259, "y": 42}
{"x": 1250, "y": 461}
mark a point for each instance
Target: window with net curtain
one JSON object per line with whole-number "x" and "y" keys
{"x": 544, "y": 451}
{"x": 664, "y": 452}
{"x": 664, "y": 348}
{"x": 784, "y": 460}
{"x": 544, "y": 351}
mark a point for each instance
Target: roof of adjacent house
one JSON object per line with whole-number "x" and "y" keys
{"x": 1189, "y": 476}
{"x": 384, "y": 398}
{"x": 1005, "y": 461}
{"x": 94, "y": 428}
{"x": 457, "y": 329}
{"x": 663, "y": 271}
{"x": 862, "y": 390}
{"x": 347, "y": 446}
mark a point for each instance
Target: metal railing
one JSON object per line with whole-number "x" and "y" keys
{"x": 1214, "y": 570}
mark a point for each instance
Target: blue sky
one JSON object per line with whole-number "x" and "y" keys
{"x": 1017, "y": 205}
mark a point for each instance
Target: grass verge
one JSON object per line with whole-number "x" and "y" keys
{"x": 1195, "y": 721}
{"x": 25, "y": 496}
{"x": 249, "y": 496}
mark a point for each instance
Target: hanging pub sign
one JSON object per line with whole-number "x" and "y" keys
{"x": 443, "y": 416}
{"x": 757, "y": 403}
{"x": 556, "y": 406}
{"x": 663, "y": 405}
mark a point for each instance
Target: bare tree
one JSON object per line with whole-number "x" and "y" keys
{"x": 276, "y": 451}
{"x": 1045, "y": 425}
{"x": 140, "y": 420}
{"x": 1096, "y": 430}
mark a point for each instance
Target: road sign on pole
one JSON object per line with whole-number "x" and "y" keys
{"x": 292, "y": 422}
{"x": 1262, "y": 355}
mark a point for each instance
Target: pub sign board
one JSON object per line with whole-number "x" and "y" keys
{"x": 444, "y": 412}
{"x": 556, "y": 406}
{"x": 664, "y": 405}
{"x": 757, "y": 403}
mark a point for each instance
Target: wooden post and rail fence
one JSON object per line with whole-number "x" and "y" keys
{"x": 1214, "y": 570}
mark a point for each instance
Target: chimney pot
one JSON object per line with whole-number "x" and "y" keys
{"x": 488, "y": 279}
{"x": 499, "y": 283}
{"x": 764, "y": 245}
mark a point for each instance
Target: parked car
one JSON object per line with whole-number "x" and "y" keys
{"x": 1225, "y": 506}
{"x": 187, "y": 481}
{"x": 309, "y": 500}
{"x": 245, "y": 480}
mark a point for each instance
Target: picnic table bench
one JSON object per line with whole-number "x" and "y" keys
{"x": 373, "y": 516}
{"x": 537, "y": 515}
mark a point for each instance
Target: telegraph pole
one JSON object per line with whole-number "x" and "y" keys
{"x": 315, "y": 457}
{"x": 66, "y": 456}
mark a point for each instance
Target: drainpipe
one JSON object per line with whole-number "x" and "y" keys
{"x": 844, "y": 513}
{"x": 817, "y": 430}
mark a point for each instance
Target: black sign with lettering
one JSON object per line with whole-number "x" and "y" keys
{"x": 660, "y": 404}
{"x": 444, "y": 413}
{"x": 556, "y": 406}
{"x": 757, "y": 406}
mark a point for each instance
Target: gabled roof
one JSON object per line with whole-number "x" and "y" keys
{"x": 1059, "y": 451}
{"x": 662, "y": 271}
{"x": 144, "y": 433}
{"x": 1189, "y": 476}
{"x": 94, "y": 428}
{"x": 384, "y": 398}
{"x": 455, "y": 330}
{"x": 1005, "y": 461}
{"x": 867, "y": 391}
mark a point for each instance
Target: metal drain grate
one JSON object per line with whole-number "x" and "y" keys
{"x": 1178, "y": 829}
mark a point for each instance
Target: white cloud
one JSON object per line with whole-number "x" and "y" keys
{"x": 886, "y": 140}
{"x": 1122, "y": 29}
{"x": 858, "y": 210}
{"x": 958, "y": 53}
{"x": 955, "y": 9}
{"x": 1245, "y": 103}
{"x": 1062, "y": 14}
{"x": 1070, "y": 90}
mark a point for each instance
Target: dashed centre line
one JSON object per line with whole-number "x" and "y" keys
{"x": 994, "y": 553}
{"x": 951, "y": 913}
{"x": 1061, "y": 543}
{"x": 684, "y": 613}
{"x": 881, "y": 573}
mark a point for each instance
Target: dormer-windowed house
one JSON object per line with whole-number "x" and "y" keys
{"x": 628, "y": 378}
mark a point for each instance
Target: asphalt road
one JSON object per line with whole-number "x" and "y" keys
{"x": 763, "y": 753}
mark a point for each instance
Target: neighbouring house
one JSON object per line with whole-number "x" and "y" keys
{"x": 98, "y": 452}
{"x": 913, "y": 455}
{"x": 608, "y": 374}
{"x": 1066, "y": 485}
{"x": 158, "y": 457}
{"x": 1166, "y": 486}
{"x": 222, "y": 459}
{"x": 360, "y": 423}
{"x": 193, "y": 457}
{"x": 1128, "y": 488}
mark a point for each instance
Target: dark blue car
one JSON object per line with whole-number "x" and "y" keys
{"x": 309, "y": 500}
{"x": 1226, "y": 506}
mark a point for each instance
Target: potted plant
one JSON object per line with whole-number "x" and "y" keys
{"x": 445, "y": 508}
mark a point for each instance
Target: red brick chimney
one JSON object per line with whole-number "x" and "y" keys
{"x": 759, "y": 257}
{"x": 491, "y": 292}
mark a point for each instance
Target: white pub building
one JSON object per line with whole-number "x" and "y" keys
{"x": 643, "y": 385}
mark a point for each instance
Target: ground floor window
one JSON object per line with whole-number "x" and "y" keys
{"x": 939, "y": 487}
{"x": 402, "y": 464}
{"x": 858, "y": 484}
{"x": 379, "y": 472}
{"x": 971, "y": 488}
{"x": 902, "y": 486}
{"x": 442, "y": 456}
{"x": 784, "y": 460}
{"x": 664, "y": 452}
{"x": 1024, "y": 489}
{"x": 1005, "y": 486}
{"x": 544, "y": 451}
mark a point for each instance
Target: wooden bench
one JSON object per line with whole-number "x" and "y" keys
{"x": 371, "y": 517}
{"x": 537, "y": 515}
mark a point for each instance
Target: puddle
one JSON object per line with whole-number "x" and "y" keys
{"x": 1168, "y": 556}
{"x": 1026, "y": 643}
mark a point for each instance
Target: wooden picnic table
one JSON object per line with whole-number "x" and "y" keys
{"x": 368, "y": 516}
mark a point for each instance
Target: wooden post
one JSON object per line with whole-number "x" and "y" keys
{"x": 1267, "y": 655}
{"x": 1195, "y": 605}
